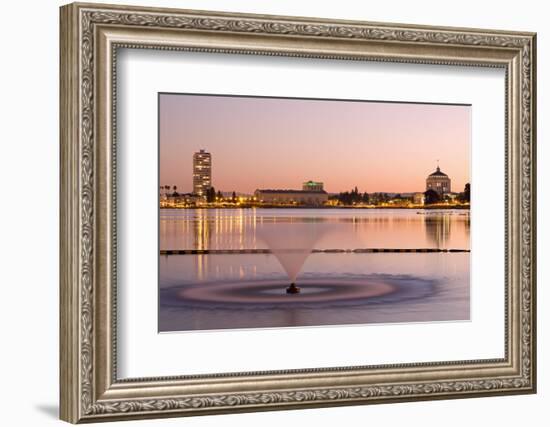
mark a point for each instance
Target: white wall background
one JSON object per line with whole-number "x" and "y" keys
{"x": 29, "y": 171}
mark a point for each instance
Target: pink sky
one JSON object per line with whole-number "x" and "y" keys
{"x": 279, "y": 143}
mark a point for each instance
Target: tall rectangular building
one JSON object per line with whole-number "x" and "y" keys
{"x": 202, "y": 172}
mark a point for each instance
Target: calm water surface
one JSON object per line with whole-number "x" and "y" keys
{"x": 203, "y": 292}
{"x": 350, "y": 228}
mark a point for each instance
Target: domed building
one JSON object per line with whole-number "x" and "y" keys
{"x": 439, "y": 182}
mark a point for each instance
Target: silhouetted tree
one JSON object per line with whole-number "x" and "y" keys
{"x": 210, "y": 195}
{"x": 234, "y": 197}
{"x": 351, "y": 197}
{"x": 467, "y": 192}
{"x": 431, "y": 197}
{"x": 465, "y": 195}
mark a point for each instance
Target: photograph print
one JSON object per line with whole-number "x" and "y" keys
{"x": 297, "y": 212}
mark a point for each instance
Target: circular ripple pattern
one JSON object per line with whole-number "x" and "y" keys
{"x": 373, "y": 289}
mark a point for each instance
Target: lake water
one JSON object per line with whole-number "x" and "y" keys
{"x": 247, "y": 290}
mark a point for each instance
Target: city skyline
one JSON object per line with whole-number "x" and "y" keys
{"x": 279, "y": 143}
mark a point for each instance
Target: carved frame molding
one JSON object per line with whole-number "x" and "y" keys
{"x": 90, "y": 36}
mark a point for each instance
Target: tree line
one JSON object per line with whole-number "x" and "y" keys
{"x": 354, "y": 196}
{"x": 210, "y": 196}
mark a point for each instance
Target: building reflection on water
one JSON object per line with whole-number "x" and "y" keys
{"x": 202, "y": 230}
{"x": 438, "y": 229}
{"x": 205, "y": 229}
{"x": 236, "y": 229}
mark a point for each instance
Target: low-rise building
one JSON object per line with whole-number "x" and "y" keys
{"x": 187, "y": 199}
{"x": 312, "y": 186}
{"x": 418, "y": 198}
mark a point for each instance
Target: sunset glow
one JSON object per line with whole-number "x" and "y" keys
{"x": 280, "y": 143}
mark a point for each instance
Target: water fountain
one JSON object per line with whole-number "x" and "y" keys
{"x": 327, "y": 300}
{"x": 291, "y": 243}
{"x": 338, "y": 287}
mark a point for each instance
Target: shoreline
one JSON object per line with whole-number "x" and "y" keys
{"x": 430, "y": 207}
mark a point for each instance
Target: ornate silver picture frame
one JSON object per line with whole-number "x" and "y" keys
{"x": 91, "y": 37}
